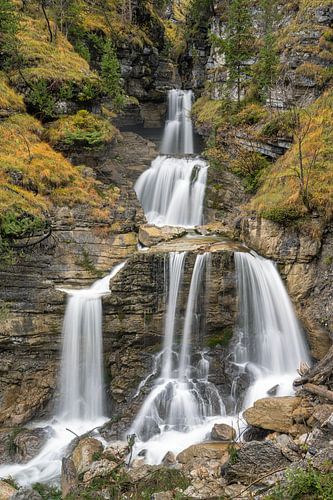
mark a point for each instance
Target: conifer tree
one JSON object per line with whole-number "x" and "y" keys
{"x": 267, "y": 66}
{"x": 238, "y": 45}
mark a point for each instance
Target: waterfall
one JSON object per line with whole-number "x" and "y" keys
{"x": 270, "y": 343}
{"x": 172, "y": 190}
{"x": 178, "y": 133}
{"x": 182, "y": 397}
{"x": 82, "y": 385}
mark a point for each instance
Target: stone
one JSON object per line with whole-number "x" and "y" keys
{"x": 163, "y": 495}
{"x": 6, "y": 490}
{"x": 203, "y": 452}
{"x": 100, "y": 468}
{"x": 323, "y": 460}
{"x": 26, "y": 494}
{"x": 275, "y": 414}
{"x": 69, "y": 478}
{"x": 116, "y": 451}
{"x": 151, "y": 235}
{"x": 252, "y": 433}
{"x": 253, "y": 460}
{"x": 29, "y": 442}
{"x": 322, "y": 413}
{"x": 84, "y": 453}
{"x": 169, "y": 459}
{"x": 223, "y": 432}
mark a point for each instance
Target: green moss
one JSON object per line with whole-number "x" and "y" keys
{"x": 83, "y": 129}
{"x": 282, "y": 215}
{"x": 222, "y": 338}
{"x": 87, "y": 264}
{"x": 281, "y": 124}
{"x": 47, "y": 492}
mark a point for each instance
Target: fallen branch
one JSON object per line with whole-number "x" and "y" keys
{"x": 319, "y": 390}
{"x": 69, "y": 430}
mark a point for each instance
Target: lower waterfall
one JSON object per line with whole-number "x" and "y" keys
{"x": 81, "y": 383}
{"x": 269, "y": 346}
{"x": 270, "y": 343}
{"x": 182, "y": 401}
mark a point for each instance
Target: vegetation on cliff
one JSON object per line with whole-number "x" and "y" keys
{"x": 264, "y": 99}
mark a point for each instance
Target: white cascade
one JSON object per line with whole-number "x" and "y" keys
{"x": 182, "y": 401}
{"x": 81, "y": 383}
{"x": 178, "y": 132}
{"x": 271, "y": 344}
{"x": 81, "y": 379}
{"x": 172, "y": 190}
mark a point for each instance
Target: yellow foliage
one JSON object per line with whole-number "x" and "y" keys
{"x": 46, "y": 60}
{"x": 33, "y": 176}
{"x": 281, "y": 185}
{"x": 9, "y": 99}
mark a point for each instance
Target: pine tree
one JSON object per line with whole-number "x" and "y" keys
{"x": 110, "y": 73}
{"x": 267, "y": 67}
{"x": 238, "y": 45}
{"x": 8, "y": 29}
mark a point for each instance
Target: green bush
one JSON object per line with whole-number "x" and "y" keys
{"x": 110, "y": 73}
{"x": 14, "y": 226}
{"x": 81, "y": 129}
{"x": 303, "y": 484}
{"x": 282, "y": 215}
{"x": 282, "y": 124}
{"x": 222, "y": 338}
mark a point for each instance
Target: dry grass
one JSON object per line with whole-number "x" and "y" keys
{"x": 56, "y": 61}
{"x": 281, "y": 184}
{"x": 9, "y": 99}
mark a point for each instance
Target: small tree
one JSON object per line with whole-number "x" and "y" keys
{"x": 238, "y": 45}
{"x": 267, "y": 67}
{"x": 110, "y": 73}
{"x": 8, "y": 29}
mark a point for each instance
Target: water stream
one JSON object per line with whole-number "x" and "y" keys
{"x": 81, "y": 386}
{"x": 182, "y": 404}
{"x": 172, "y": 190}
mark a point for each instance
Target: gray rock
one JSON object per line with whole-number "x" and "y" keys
{"x": 26, "y": 494}
{"x": 252, "y": 460}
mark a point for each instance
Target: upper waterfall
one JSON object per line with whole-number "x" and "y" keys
{"x": 172, "y": 190}
{"x": 178, "y": 132}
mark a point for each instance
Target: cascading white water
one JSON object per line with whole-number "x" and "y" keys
{"x": 81, "y": 383}
{"x": 172, "y": 190}
{"x": 178, "y": 133}
{"x": 182, "y": 399}
{"x": 271, "y": 344}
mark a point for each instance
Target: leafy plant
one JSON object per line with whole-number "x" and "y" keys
{"x": 110, "y": 73}
{"x": 304, "y": 483}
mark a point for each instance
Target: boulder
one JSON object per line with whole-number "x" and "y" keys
{"x": 169, "y": 459}
{"x": 253, "y": 460}
{"x": 203, "y": 452}
{"x": 69, "y": 477}
{"x": 29, "y": 442}
{"x": 101, "y": 468}
{"x": 274, "y": 414}
{"x": 26, "y": 494}
{"x": 323, "y": 460}
{"x": 116, "y": 451}
{"x": 6, "y": 490}
{"x": 85, "y": 453}
{"x": 151, "y": 235}
{"x": 223, "y": 432}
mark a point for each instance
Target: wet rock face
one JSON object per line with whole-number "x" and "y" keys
{"x": 80, "y": 250}
{"x": 305, "y": 261}
{"x": 134, "y": 323}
